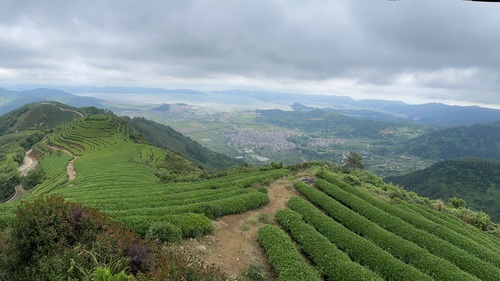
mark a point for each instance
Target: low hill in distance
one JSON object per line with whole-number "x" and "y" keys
{"x": 477, "y": 181}
{"x": 479, "y": 141}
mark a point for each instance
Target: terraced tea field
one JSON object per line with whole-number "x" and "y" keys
{"x": 348, "y": 234}
{"x": 116, "y": 176}
{"x": 332, "y": 231}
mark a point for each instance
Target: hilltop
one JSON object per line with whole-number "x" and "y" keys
{"x": 280, "y": 217}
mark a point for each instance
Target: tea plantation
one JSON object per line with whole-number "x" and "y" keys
{"x": 117, "y": 176}
{"x": 337, "y": 229}
{"x": 349, "y": 233}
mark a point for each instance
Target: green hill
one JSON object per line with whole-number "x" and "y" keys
{"x": 326, "y": 122}
{"x": 165, "y": 137}
{"x": 122, "y": 175}
{"x": 21, "y": 129}
{"x": 38, "y": 116}
{"x": 347, "y": 226}
{"x": 475, "y": 180}
{"x": 479, "y": 141}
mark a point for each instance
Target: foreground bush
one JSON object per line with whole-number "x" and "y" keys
{"x": 51, "y": 239}
{"x": 165, "y": 232}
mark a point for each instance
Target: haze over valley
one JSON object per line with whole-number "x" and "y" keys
{"x": 249, "y": 140}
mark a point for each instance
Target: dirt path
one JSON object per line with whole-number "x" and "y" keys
{"x": 27, "y": 165}
{"x": 70, "y": 169}
{"x": 233, "y": 246}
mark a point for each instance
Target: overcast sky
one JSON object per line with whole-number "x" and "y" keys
{"x": 410, "y": 50}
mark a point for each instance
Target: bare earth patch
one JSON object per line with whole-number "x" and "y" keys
{"x": 70, "y": 169}
{"x": 233, "y": 246}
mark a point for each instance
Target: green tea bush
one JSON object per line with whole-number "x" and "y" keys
{"x": 283, "y": 255}
{"x": 165, "y": 232}
{"x": 332, "y": 263}
{"x": 405, "y": 250}
{"x": 432, "y": 243}
{"x": 452, "y": 222}
{"x": 415, "y": 219}
{"x": 357, "y": 247}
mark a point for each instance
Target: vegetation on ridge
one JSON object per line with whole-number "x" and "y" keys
{"x": 476, "y": 181}
{"x": 347, "y": 224}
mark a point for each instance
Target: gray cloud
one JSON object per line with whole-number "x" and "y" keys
{"x": 443, "y": 49}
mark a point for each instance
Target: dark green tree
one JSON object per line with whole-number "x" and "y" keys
{"x": 353, "y": 162}
{"x": 456, "y": 202}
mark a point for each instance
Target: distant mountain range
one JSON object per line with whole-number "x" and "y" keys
{"x": 11, "y": 100}
{"x": 432, "y": 114}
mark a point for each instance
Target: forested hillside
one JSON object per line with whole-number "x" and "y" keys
{"x": 326, "y": 122}
{"x": 480, "y": 141}
{"x": 165, "y": 137}
{"x": 475, "y": 180}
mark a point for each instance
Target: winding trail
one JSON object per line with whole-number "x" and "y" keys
{"x": 233, "y": 245}
{"x": 27, "y": 165}
{"x": 70, "y": 169}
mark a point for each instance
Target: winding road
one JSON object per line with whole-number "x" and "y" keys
{"x": 27, "y": 165}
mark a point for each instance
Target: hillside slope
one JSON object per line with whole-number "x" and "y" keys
{"x": 347, "y": 226}
{"x": 20, "y": 130}
{"x": 165, "y": 137}
{"x": 479, "y": 141}
{"x": 475, "y": 180}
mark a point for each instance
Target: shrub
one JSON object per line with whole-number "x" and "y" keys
{"x": 456, "y": 202}
{"x": 254, "y": 273}
{"x": 439, "y": 205}
{"x": 165, "y": 232}
{"x": 104, "y": 274}
{"x": 262, "y": 189}
{"x": 482, "y": 221}
{"x": 33, "y": 178}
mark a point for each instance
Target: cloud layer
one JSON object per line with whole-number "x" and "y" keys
{"x": 412, "y": 50}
